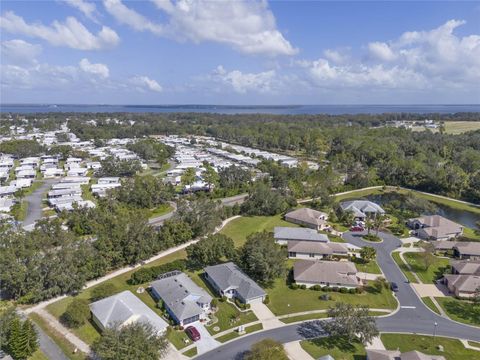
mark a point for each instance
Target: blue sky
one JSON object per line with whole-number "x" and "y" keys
{"x": 234, "y": 52}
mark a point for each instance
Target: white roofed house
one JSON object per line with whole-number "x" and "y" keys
{"x": 315, "y": 250}
{"x": 78, "y": 171}
{"x": 122, "y": 309}
{"x": 7, "y": 191}
{"x": 362, "y": 209}
{"x": 26, "y": 174}
{"x": 283, "y": 235}
{"x": 52, "y": 172}
{"x": 6, "y": 204}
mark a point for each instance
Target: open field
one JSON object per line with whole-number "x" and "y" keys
{"x": 452, "y": 349}
{"x": 338, "y": 348}
{"x": 434, "y": 271}
{"x": 458, "y": 127}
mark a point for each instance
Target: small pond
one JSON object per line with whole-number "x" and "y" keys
{"x": 466, "y": 218}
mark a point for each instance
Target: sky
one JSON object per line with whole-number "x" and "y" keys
{"x": 236, "y": 52}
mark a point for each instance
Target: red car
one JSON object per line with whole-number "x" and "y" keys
{"x": 192, "y": 333}
{"x": 356, "y": 228}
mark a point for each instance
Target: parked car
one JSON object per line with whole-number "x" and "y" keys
{"x": 356, "y": 228}
{"x": 192, "y": 333}
{"x": 394, "y": 287}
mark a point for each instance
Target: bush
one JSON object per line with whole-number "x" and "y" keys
{"x": 359, "y": 290}
{"x": 327, "y": 288}
{"x": 223, "y": 298}
{"x": 214, "y": 303}
{"x": 352, "y": 291}
{"x": 266, "y": 300}
{"x": 147, "y": 274}
{"x": 77, "y": 313}
{"x": 303, "y": 287}
{"x": 343, "y": 290}
{"x": 335, "y": 289}
{"x": 294, "y": 286}
{"x": 102, "y": 291}
{"x": 316, "y": 288}
{"x": 324, "y": 297}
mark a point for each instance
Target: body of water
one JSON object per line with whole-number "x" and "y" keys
{"x": 221, "y": 109}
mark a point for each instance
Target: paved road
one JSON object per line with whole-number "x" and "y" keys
{"x": 35, "y": 206}
{"x": 412, "y": 317}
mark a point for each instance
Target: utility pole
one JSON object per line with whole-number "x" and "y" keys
{"x": 435, "y": 324}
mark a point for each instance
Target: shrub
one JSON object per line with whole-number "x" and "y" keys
{"x": 335, "y": 289}
{"x": 146, "y": 274}
{"x": 359, "y": 290}
{"x": 214, "y": 303}
{"x": 294, "y": 286}
{"x": 343, "y": 290}
{"x": 77, "y": 313}
{"x": 102, "y": 291}
{"x": 352, "y": 290}
{"x": 327, "y": 288}
{"x": 324, "y": 297}
{"x": 247, "y": 306}
{"x": 266, "y": 300}
{"x": 223, "y": 298}
{"x": 303, "y": 287}
{"x": 316, "y": 287}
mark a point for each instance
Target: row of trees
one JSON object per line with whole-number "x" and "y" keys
{"x": 18, "y": 337}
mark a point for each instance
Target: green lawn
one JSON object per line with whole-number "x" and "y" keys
{"x": 234, "y": 334}
{"x": 367, "y": 267}
{"x": 66, "y": 346}
{"x": 474, "y": 343}
{"x": 161, "y": 210}
{"x": 452, "y": 349}
{"x": 470, "y": 234}
{"x": 429, "y": 303}
{"x": 338, "y": 348}
{"x": 192, "y": 352}
{"x": 240, "y": 228}
{"x": 460, "y": 310}
{"x": 229, "y": 316}
{"x": 178, "y": 338}
{"x": 38, "y": 355}
{"x": 403, "y": 267}
{"x": 19, "y": 210}
{"x": 314, "y": 316}
{"x": 284, "y": 300}
{"x": 434, "y": 271}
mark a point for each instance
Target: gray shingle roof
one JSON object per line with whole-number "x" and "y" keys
{"x": 125, "y": 306}
{"x": 333, "y": 272}
{"x": 229, "y": 276}
{"x": 308, "y": 216}
{"x": 181, "y": 295}
{"x": 290, "y": 233}
{"x": 317, "y": 247}
{"x": 468, "y": 248}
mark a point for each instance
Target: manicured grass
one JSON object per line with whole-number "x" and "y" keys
{"x": 161, "y": 210}
{"x": 178, "y": 338}
{"x": 458, "y": 127}
{"x": 338, "y": 348}
{"x": 240, "y": 228}
{"x": 367, "y": 267}
{"x": 66, "y": 346}
{"x": 192, "y": 352}
{"x": 48, "y": 213}
{"x": 284, "y": 300}
{"x": 434, "y": 271}
{"x": 474, "y": 343}
{"x": 403, "y": 267}
{"x": 234, "y": 334}
{"x": 372, "y": 238}
{"x": 229, "y": 316}
{"x": 38, "y": 355}
{"x": 88, "y": 332}
{"x": 314, "y": 316}
{"x": 427, "y": 301}
{"x": 460, "y": 310}
{"x": 471, "y": 234}
{"x": 359, "y": 193}
{"x": 453, "y": 349}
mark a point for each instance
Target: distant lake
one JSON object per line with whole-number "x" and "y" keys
{"x": 466, "y": 218}
{"x": 225, "y": 109}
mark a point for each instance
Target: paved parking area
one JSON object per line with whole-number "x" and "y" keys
{"x": 206, "y": 342}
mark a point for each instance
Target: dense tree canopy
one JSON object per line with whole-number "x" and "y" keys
{"x": 211, "y": 250}
{"x": 22, "y": 148}
{"x": 115, "y": 167}
{"x": 150, "y": 149}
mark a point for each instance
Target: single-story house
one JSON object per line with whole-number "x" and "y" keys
{"x": 397, "y": 355}
{"x": 124, "y": 308}
{"x": 232, "y": 282}
{"x": 185, "y": 301}
{"x": 362, "y": 209}
{"x": 6, "y": 204}
{"x": 462, "y": 285}
{"x": 283, "y": 235}
{"x": 465, "y": 267}
{"x": 443, "y": 245}
{"x": 467, "y": 250}
{"x": 435, "y": 227}
{"x": 326, "y": 273}
{"x": 309, "y": 218}
{"x": 315, "y": 250}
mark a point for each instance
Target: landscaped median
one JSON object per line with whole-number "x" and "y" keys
{"x": 235, "y": 334}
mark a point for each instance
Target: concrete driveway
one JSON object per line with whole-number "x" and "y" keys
{"x": 206, "y": 342}
{"x": 265, "y": 315}
{"x": 435, "y": 290}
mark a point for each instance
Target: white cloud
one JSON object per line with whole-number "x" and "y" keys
{"x": 87, "y": 8}
{"x": 247, "y": 26}
{"x": 145, "y": 83}
{"x": 70, "y": 33}
{"x": 20, "y": 51}
{"x": 97, "y": 69}
{"x": 381, "y": 51}
{"x": 335, "y": 56}
{"x": 263, "y": 82}
{"x": 130, "y": 17}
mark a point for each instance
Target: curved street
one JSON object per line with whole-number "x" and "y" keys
{"x": 411, "y": 317}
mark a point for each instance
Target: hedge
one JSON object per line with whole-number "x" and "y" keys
{"x": 147, "y": 274}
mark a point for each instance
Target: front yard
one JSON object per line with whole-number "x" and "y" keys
{"x": 460, "y": 310}
{"x": 284, "y": 300}
{"x": 338, "y": 348}
{"x": 403, "y": 267}
{"x": 452, "y": 349}
{"x": 433, "y": 272}
{"x": 367, "y": 266}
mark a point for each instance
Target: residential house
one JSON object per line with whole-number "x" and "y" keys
{"x": 435, "y": 227}
{"x": 462, "y": 285}
{"x": 465, "y": 267}
{"x": 6, "y": 204}
{"x": 443, "y": 245}
{"x": 326, "y": 273}
{"x": 362, "y": 209}
{"x": 315, "y": 250}
{"x": 309, "y": 218}
{"x": 26, "y": 174}
{"x": 467, "y": 250}
{"x": 185, "y": 301}
{"x": 125, "y": 308}
{"x": 283, "y": 235}
{"x": 228, "y": 280}
{"x": 7, "y": 191}
{"x": 397, "y": 355}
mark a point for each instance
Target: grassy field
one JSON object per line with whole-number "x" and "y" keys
{"x": 240, "y": 228}
{"x": 460, "y": 310}
{"x": 458, "y": 127}
{"x": 338, "y": 348}
{"x": 367, "y": 267}
{"x": 59, "y": 339}
{"x": 452, "y": 349}
{"x": 434, "y": 271}
{"x": 284, "y": 300}
{"x": 161, "y": 210}
{"x": 429, "y": 303}
{"x": 403, "y": 267}
{"x": 38, "y": 355}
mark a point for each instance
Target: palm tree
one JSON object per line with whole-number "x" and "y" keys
{"x": 378, "y": 222}
{"x": 369, "y": 224}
